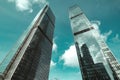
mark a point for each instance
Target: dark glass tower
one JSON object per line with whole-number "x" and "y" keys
{"x": 91, "y": 71}
{"x": 30, "y": 58}
{"x": 90, "y": 49}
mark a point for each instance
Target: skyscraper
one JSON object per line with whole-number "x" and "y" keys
{"x": 30, "y": 58}
{"x": 113, "y": 63}
{"x": 91, "y": 71}
{"x": 84, "y": 33}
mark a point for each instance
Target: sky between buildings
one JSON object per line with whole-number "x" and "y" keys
{"x": 16, "y": 15}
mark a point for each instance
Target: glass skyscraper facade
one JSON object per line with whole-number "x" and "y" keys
{"x": 85, "y": 33}
{"x": 113, "y": 63}
{"x": 30, "y": 58}
{"x": 90, "y": 70}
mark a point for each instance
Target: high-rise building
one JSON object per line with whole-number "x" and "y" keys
{"x": 91, "y": 71}
{"x": 31, "y": 56}
{"x": 113, "y": 63}
{"x": 85, "y": 33}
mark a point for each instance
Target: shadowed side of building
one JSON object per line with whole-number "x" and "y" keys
{"x": 31, "y": 61}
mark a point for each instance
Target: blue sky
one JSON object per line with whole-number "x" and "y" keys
{"x": 16, "y": 15}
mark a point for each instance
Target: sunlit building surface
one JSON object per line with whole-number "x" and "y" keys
{"x": 113, "y": 63}
{"x": 86, "y": 33}
{"x": 30, "y": 57}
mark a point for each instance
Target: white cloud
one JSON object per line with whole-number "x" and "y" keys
{"x": 26, "y": 5}
{"x": 96, "y": 22}
{"x": 54, "y": 48}
{"x": 23, "y": 5}
{"x": 52, "y": 64}
{"x": 106, "y": 35}
{"x": 30, "y": 11}
{"x": 70, "y": 57}
{"x": 116, "y": 39}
